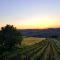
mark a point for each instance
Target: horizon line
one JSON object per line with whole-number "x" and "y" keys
{"x": 38, "y": 28}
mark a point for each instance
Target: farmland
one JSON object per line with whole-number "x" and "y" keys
{"x": 46, "y": 49}
{"x": 31, "y": 40}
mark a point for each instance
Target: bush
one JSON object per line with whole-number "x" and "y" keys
{"x": 9, "y": 37}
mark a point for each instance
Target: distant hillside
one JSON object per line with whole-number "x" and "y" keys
{"x": 41, "y": 32}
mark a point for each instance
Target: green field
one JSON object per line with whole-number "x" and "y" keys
{"x": 45, "y": 49}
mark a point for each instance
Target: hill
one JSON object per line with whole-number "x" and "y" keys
{"x": 31, "y": 40}
{"x": 48, "y": 49}
{"x": 40, "y": 32}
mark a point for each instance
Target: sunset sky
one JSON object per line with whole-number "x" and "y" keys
{"x": 28, "y": 14}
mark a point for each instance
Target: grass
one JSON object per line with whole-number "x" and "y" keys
{"x": 31, "y": 40}
{"x": 33, "y": 48}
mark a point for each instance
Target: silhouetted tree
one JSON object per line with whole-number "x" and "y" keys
{"x": 9, "y": 37}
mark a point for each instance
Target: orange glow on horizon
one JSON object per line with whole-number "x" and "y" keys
{"x": 36, "y": 27}
{"x": 38, "y": 23}
{"x": 35, "y": 23}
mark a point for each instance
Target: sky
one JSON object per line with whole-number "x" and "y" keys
{"x": 30, "y": 14}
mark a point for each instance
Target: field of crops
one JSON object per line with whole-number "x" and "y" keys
{"x": 48, "y": 49}
{"x": 31, "y": 40}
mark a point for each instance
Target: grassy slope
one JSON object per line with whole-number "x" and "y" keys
{"x": 44, "y": 50}
{"x": 31, "y": 40}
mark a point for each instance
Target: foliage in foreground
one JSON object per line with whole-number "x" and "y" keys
{"x": 9, "y": 38}
{"x": 45, "y": 50}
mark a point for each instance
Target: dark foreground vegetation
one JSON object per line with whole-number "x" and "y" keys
{"x": 11, "y": 48}
{"x": 9, "y": 39}
{"x": 48, "y": 49}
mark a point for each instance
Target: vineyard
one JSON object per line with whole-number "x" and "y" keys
{"x": 48, "y": 49}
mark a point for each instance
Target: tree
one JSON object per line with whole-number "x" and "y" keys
{"x": 9, "y": 37}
